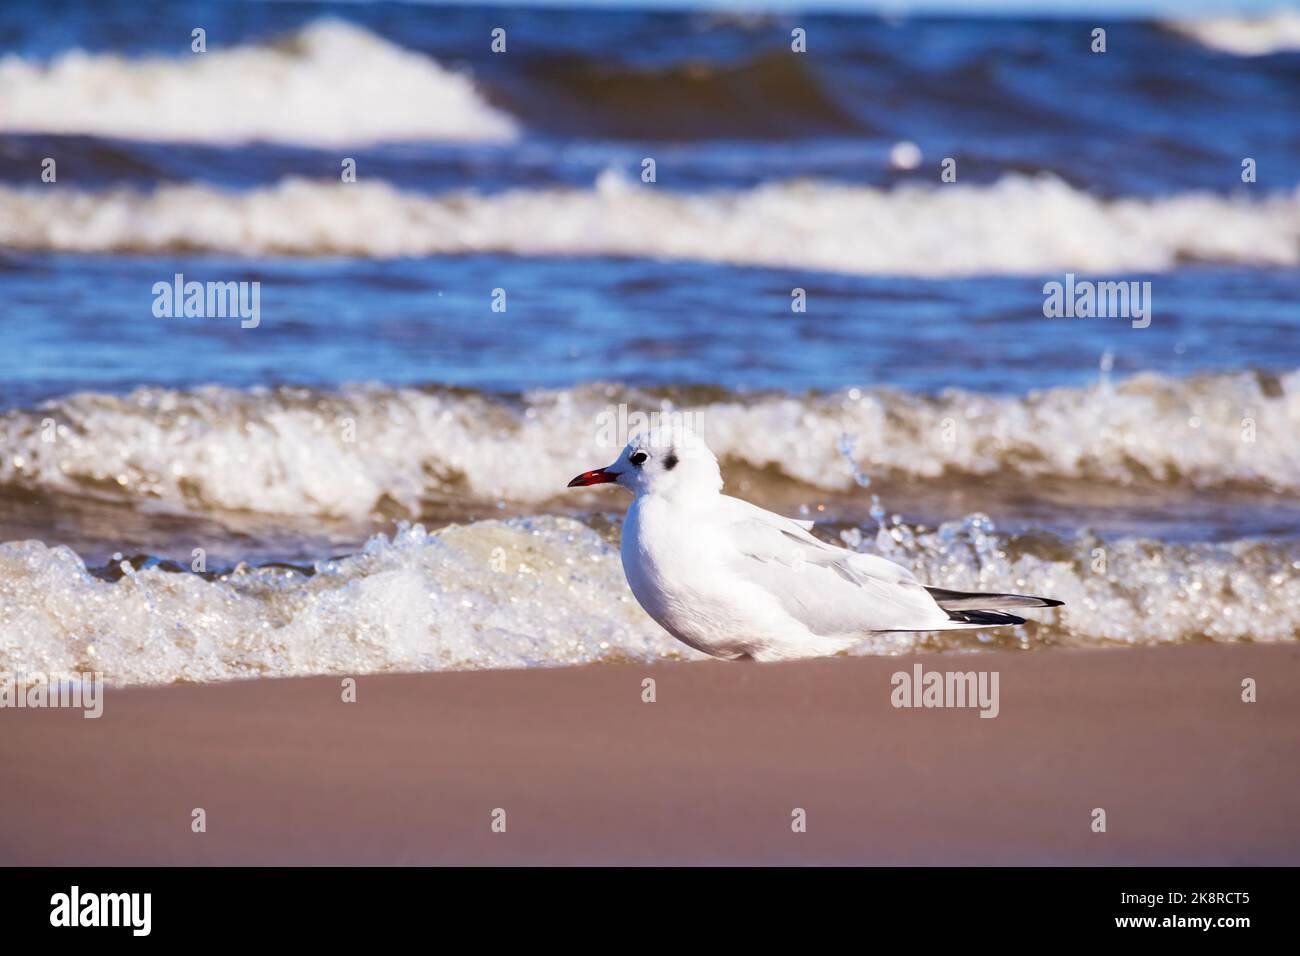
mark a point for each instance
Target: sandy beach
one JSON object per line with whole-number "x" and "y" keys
{"x": 709, "y": 773}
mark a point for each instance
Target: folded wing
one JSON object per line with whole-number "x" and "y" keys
{"x": 832, "y": 591}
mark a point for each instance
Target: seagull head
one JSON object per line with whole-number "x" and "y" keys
{"x": 669, "y": 461}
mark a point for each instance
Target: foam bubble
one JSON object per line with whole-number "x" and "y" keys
{"x": 905, "y": 155}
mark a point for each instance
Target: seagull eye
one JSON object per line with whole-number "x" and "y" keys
{"x": 638, "y": 458}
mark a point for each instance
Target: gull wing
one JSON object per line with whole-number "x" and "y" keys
{"x": 830, "y": 590}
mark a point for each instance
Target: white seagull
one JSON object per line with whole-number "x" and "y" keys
{"x": 738, "y": 582}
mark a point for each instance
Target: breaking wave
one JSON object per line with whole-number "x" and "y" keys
{"x": 368, "y": 449}
{"x": 1245, "y": 36}
{"x": 329, "y": 84}
{"x": 467, "y": 597}
{"x": 1020, "y": 225}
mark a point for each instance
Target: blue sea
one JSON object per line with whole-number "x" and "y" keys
{"x": 476, "y": 233}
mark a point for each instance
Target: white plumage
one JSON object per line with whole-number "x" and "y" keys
{"x": 735, "y": 581}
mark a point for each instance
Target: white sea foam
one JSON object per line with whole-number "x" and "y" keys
{"x": 1245, "y": 36}
{"x": 1018, "y": 225}
{"x": 329, "y": 84}
{"x": 550, "y": 591}
{"x": 286, "y": 451}
{"x": 417, "y": 602}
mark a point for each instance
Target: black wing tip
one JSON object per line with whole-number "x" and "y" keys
{"x": 1052, "y": 602}
{"x": 985, "y": 617}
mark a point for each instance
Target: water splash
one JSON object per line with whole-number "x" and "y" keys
{"x": 466, "y": 597}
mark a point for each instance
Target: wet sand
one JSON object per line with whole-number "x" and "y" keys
{"x": 709, "y": 773}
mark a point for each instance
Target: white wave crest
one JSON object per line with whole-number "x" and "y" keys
{"x": 550, "y": 591}
{"x": 1018, "y": 225}
{"x": 342, "y": 454}
{"x": 329, "y": 84}
{"x": 464, "y": 598}
{"x": 1245, "y": 36}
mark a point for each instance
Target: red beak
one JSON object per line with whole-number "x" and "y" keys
{"x": 598, "y": 477}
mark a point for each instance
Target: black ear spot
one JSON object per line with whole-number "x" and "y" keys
{"x": 670, "y": 461}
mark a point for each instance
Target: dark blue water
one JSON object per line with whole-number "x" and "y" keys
{"x": 567, "y": 321}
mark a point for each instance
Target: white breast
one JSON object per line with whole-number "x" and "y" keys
{"x": 674, "y": 568}
{"x": 648, "y": 552}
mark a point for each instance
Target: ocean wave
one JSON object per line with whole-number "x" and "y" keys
{"x": 369, "y": 449}
{"x": 1245, "y": 36}
{"x": 1019, "y": 225}
{"x": 764, "y": 96}
{"x": 328, "y": 84}
{"x": 466, "y": 597}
